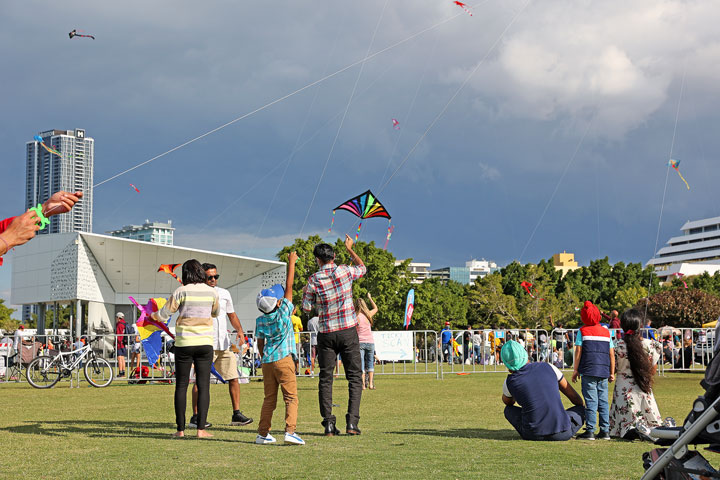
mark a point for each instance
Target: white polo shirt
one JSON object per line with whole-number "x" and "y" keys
{"x": 221, "y": 337}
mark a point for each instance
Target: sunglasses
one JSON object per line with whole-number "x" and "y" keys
{"x": 213, "y": 277}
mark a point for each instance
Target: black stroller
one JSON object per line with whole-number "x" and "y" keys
{"x": 701, "y": 427}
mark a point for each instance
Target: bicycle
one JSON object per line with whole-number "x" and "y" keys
{"x": 46, "y": 371}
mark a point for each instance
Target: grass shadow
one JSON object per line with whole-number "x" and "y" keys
{"x": 483, "y": 433}
{"x": 101, "y": 429}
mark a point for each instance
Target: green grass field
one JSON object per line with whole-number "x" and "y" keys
{"x": 413, "y": 427}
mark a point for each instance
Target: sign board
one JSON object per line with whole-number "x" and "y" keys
{"x": 394, "y": 346}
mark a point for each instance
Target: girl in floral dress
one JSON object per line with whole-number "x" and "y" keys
{"x": 634, "y": 410}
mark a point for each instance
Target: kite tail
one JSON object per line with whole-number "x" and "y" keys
{"x": 389, "y": 234}
{"x": 332, "y": 222}
{"x": 683, "y": 179}
{"x": 357, "y": 234}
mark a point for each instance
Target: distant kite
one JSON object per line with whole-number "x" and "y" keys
{"x": 676, "y": 164}
{"x": 75, "y": 33}
{"x": 39, "y": 139}
{"x": 169, "y": 269}
{"x": 527, "y": 286}
{"x": 136, "y": 188}
{"x": 391, "y": 229}
{"x": 396, "y": 124}
{"x": 680, "y": 275}
{"x": 365, "y": 205}
{"x": 464, "y": 7}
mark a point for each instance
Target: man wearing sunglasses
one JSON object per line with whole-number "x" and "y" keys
{"x": 223, "y": 358}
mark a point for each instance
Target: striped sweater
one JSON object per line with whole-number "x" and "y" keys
{"x": 196, "y": 305}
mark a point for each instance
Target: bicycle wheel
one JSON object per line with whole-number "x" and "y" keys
{"x": 98, "y": 372}
{"x": 43, "y": 372}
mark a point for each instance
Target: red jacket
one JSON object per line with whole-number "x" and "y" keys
{"x": 3, "y": 226}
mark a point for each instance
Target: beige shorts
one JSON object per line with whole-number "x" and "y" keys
{"x": 226, "y": 364}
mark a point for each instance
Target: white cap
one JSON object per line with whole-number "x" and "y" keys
{"x": 266, "y": 304}
{"x": 120, "y": 315}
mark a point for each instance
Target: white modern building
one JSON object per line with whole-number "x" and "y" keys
{"x": 47, "y": 173}
{"x": 96, "y": 274}
{"x": 697, "y": 249}
{"x": 153, "y": 232}
{"x": 480, "y": 268}
{"x": 419, "y": 270}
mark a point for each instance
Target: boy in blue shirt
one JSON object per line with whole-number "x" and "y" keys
{"x": 595, "y": 362}
{"x": 276, "y": 344}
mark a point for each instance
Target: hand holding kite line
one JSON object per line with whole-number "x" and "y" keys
{"x": 75, "y": 34}
{"x": 61, "y": 202}
{"x": 527, "y": 286}
{"x": 169, "y": 269}
{"x": 464, "y": 7}
{"x": 676, "y": 164}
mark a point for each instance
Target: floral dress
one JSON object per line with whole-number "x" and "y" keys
{"x": 631, "y": 405}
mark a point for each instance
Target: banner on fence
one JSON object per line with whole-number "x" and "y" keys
{"x": 394, "y": 346}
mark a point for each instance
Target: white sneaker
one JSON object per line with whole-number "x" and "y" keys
{"x": 294, "y": 439}
{"x": 260, "y": 440}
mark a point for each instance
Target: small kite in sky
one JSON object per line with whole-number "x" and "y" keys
{"x": 676, "y": 165}
{"x": 527, "y": 286}
{"x": 169, "y": 269}
{"x": 75, "y": 33}
{"x": 136, "y": 188}
{"x": 38, "y": 138}
{"x": 463, "y": 6}
{"x": 396, "y": 124}
{"x": 680, "y": 275}
{"x": 365, "y": 205}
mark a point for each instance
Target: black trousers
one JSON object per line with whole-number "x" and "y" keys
{"x": 201, "y": 356}
{"x": 343, "y": 342}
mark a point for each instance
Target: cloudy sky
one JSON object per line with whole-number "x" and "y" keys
{"x": 527, "y": 128}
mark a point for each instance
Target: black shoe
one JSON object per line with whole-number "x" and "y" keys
{"x": 331, "y": 430}
{"x": 603, "y": 435}
{"x": 193, "y": 422}
{"x": 352, "y": 429}
{"x": 238, "y": 419}
{"x": 587, "y": 435}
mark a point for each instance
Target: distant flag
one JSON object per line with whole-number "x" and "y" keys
{"x": 409, "y": 307}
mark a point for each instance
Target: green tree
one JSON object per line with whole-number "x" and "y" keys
{"x": 682, "y": 308}
{"x": 437, "y": 303}
{"x": 628, "y": 297}
{"x": 7, "y": 323}
{"x": 490, "y": 305}
{"x": 705, "y": 282}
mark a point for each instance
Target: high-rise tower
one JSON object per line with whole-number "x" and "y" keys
{"x": 71, "y": 171}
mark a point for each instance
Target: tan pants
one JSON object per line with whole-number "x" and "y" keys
{"x": 280, "y": 373}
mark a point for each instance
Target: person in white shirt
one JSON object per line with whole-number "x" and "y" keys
{"x": 224, "y": 359}
{"x": 313, "y": 327}
{"x": 18, "y": 339}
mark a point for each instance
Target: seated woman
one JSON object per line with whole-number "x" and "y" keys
{"x": 634, "y": 409}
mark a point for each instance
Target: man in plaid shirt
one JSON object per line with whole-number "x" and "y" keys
{"x": 329, "y": 291}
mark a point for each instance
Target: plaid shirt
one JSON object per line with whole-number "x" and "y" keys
{"x": 277, "y": 331}
{"x": 330, "y": 291}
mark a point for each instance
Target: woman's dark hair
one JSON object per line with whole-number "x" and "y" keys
{"x": 324, "y": 252}
{"x": 192, "y": 272}
{"x": 632, "y": 320}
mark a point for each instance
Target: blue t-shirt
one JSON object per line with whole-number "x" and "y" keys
{"x": 277, "y": 331}
{"x": 446, "y": 335}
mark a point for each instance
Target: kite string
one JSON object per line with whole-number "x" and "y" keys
{"x": 262, "y": 179}
{"x": 557, "y": 187}
{"x": 342, "y": 120}
{"x": 667, "y": 174}
{"x": 297, "y": 140}
{"x": 280, "y": 99}
{"x": 462, "y": 86}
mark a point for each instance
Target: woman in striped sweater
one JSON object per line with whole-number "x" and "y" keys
{"x": 196, "y": 304}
